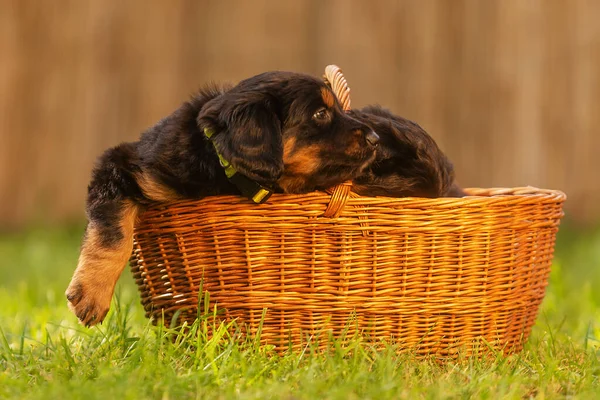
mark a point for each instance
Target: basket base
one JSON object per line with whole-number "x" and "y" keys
{"x": 442, "y": 336}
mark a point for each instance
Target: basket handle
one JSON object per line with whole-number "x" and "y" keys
{"x": 338, "y": 83}
{"x": 340, "y": 193}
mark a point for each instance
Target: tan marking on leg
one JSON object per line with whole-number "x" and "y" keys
{"x": 99, "y": 268}
{"x": 155, "y": 190}
{"x": 328, "y": 97}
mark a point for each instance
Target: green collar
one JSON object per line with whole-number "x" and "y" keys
{"x": 249, "y": 188}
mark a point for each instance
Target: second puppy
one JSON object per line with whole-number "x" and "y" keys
{"x": 408, "y": 163}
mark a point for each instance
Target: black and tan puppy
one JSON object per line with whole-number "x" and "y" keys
{"x": 282, "y": 131}
{"x": 408, "y": 164}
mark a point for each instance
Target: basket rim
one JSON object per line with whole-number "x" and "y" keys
{"x": 475, "y": 196}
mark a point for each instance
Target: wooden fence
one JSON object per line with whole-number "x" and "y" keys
{"x": 509, "y": 88}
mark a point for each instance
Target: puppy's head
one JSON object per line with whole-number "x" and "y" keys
{"x": 408, "y": 162}
{"x": 288, "y": 131}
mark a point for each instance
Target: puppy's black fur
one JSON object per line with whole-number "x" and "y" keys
{"x": 408, "y": 163}
{"x": 283, "y": 130}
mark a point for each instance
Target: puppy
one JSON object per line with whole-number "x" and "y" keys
{"x": 277, "y": 131}
{"x": 408, "y": 164}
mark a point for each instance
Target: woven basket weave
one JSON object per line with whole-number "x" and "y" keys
{"x": 431, "y": 275}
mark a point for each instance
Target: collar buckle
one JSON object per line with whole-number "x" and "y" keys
{"x": 249, "y": 188}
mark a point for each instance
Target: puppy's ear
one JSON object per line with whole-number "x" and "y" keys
{"x": 247, "y": 132}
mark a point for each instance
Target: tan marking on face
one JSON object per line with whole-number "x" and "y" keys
{"x": 99, "y": 268}
{"x": 155, "y": 190}
{"x": 288, "y": 146}
{"x": 353, "y": 147}
{"x": 328, "y": 97}
{"x": 292, "y": 184}
{"x": 299, "y": 165}
{"x": 303, "y": 161}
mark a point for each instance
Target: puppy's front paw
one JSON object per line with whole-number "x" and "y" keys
{"x": 90, "y": 302}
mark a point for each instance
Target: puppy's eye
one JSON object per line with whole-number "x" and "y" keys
{"x": 321, "y": 114}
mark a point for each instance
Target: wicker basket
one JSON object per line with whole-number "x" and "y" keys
{"x": 432, "y": 275}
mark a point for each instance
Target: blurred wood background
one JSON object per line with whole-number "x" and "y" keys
{"x": 509, "y": 88}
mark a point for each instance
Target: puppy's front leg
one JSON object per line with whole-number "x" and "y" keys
{"x": 108, "y": 240}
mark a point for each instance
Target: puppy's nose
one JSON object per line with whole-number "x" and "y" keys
{"x": 372, "y": 138}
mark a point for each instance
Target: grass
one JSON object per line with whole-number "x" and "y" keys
{"x": 44, "y": 353}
